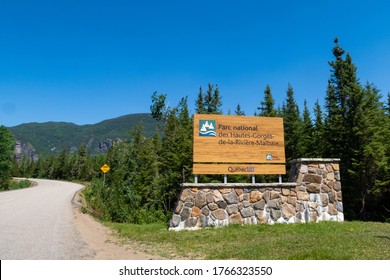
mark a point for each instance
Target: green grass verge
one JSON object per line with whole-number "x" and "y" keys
{"x": 314, "y": 241}
{"x": 15, "y": 185}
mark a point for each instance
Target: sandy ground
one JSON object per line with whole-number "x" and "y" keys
{"x": 102, "y": 240}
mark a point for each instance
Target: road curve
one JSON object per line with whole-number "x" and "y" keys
{"x": 37, "y": 223}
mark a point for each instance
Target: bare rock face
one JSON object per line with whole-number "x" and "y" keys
{"x": 25, "y": 150}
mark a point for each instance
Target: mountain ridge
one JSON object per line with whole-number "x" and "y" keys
{"x": 49, "y": 138}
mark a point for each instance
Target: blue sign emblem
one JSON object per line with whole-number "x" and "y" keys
{"x": 207, "y": 128}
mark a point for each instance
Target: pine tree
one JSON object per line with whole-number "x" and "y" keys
{"x": 307, "y": 132}
{"x": 7, "y": 143}
{"x": 318, "y": 131}
{"x": 212, "y": 101}
{"x": 267, "y": 108}
{"x": 199, "y": 103}
{"x": 354, "y": 131}
{"x": 292, "y": 127}
{"x": 238, "y": 111}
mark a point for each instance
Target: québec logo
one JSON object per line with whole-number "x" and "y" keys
{"x": 207, "y": 128}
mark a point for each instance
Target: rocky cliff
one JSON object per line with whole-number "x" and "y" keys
{"x": 26, "y": 150}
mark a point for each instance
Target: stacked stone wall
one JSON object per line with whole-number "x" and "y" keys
{"x": 314, "y": 194}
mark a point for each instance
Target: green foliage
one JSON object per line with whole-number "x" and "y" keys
{"x": 267, "y": 108}
{"x": 15, "y": 185}
{"x": 146, "y": 173}
{"x": 210, "y": 103}
{"x": 293, "y": 127}
{"x": 356, "y": 130}
{"x": 238, "y": 111}
{"x": 7, "y": 143}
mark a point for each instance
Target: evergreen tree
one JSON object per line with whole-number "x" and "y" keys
{"x": 7, "y": 144}
{"x": 307, "y": 132}
{"x": 267, "y": 108}
{"x": 238, "y": 111}
{"x": 212, "y": 101}
{"x": 318, "y": 131}
{"x": 292, "y": 127}
{"x": 199, "y": 103}
{"x": 355, "y": 132}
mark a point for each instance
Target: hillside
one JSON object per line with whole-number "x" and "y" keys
{"x": 51, "y": 137}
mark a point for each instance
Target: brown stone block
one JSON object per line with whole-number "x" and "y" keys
{"x": 312, "y": 178}
{"x": 205, "y": 211}
{"x": 239, "y": 192}
{"x": 283, "y": 199}
{"x": 235, "y": 219}
{"x": 275, "y": 194}
{"x": 286, "y": 191}
{"x": 219, "y": 214}
{"x": 337, "y": 186}
{"x": 303, "y": 196}
{"x": 336, "y": 167}
{"x": 217, "y": 196}
{"x": 232, "y": 209}
{"x": 209, "y": 197}
{"x": 293, "y": 192}
{"x": 339, "y": 196}
{"x": 255, "y": 196}
{"x": 324, "y": 199}
{"x": 292, "y": 201}
{"x": 194, "y": 189}
{"x": 330, "y": 177}
{"x": 231, "y": 198}
{"x": 332, "y": 210}
{"x": 313, "y": 170}
{"x": 274, "y": 203}
{"x": 325, "y": 188}
{"x": 313, "y": 188}
{"x": 288, "y": 211}
{"x": 213, "y": 206}
{"x": 313, "y": 217}
{"x": 200, "y": 199}
{"x": 187, "y": 195}
{"x": 225, "y": 190}
{"x": 267, "y": 196}
{"x": 179, "y": 207}
{"x": 329, "y": 168}
{"x": 259, "y": 205}
{"x": 195, "y": 212}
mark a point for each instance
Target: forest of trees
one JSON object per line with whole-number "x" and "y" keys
{"x": 146, "y": 173}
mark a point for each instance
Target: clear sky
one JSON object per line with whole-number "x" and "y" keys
{"x": 86, "y": 61}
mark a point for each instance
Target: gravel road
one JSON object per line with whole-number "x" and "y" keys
{"x": 37, "y": 223}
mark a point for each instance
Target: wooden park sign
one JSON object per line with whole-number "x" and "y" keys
{"x": 221, "y": 142}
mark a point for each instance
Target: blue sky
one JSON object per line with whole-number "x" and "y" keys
{"x": 86, "y": 61}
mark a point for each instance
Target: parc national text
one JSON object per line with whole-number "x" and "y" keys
{"x": 260, "y": 139}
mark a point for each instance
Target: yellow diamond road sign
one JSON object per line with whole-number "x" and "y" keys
{"x": 105, "y": 168}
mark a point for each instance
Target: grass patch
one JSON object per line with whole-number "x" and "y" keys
{"x": 313, "y": 241}
{"x": 19, "y": 184}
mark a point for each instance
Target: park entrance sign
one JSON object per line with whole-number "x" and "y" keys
{"x": 238, "y": 145}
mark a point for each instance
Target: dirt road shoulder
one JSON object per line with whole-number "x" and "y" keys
{"x": 102, "y": 240}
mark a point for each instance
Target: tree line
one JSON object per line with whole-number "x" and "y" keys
{"x": 146, "y": 173}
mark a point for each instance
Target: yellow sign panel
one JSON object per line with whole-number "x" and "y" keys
{"x": 105, "y": 168}
{"x": 229, "y": 139}
{"x": 231, "y": 169}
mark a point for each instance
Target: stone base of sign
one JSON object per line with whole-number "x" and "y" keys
{"x": 312, "y": 195}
